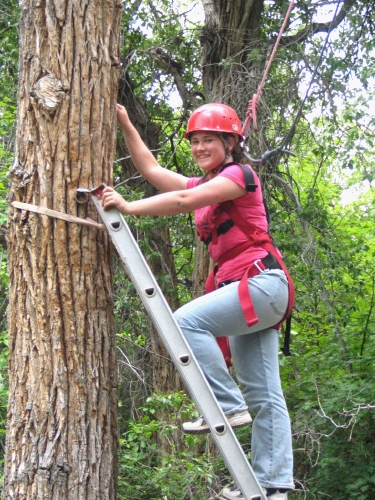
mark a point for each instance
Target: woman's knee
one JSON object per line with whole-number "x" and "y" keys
{"x": 265, "y": 401}
{"x": 184, "y": 319}
{"x": 177, "y": 315}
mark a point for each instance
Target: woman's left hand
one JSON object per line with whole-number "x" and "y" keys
{"x": 112, "y": 199}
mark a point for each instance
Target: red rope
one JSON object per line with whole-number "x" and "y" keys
{"x": 253, "y": 103}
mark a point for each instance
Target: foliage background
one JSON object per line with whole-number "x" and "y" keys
{"x": 323, "y": 222}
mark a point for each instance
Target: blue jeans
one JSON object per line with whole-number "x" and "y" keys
{"x": 255, "y": 358}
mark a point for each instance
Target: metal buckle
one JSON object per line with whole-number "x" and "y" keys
{"x": 257, "y": 266}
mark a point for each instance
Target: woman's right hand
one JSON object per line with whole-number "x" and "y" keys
{"x": 122, "y": 117}
{"x": 113, "y": 199}
{"x": 145, "y": 162}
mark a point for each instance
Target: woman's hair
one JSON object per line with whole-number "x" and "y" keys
{"x": 237, "y": 151}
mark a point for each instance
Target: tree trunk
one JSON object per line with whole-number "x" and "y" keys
{"x": 202, "y": 266}
{"x": 62, "y": 414}
{"x": 230, "y": 33}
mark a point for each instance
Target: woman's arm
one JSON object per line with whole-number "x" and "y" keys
{"x": 145, "y": 162}
{"x": 216, "y": 190}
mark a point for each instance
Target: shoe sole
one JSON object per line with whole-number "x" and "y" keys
{"x": 206, "y": 430}
{"x": 221, "y": 497}
{"x": 238, "y": 498}
{"x": 226, "y": 498}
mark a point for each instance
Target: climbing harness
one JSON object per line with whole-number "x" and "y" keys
{"x": 273, "y": 260}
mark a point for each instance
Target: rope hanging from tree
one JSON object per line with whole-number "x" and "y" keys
{"x": 253, "y": 103}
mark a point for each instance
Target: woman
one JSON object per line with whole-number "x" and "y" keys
{"x": 249, "y": 292}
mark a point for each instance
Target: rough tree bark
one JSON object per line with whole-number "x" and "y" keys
{"x": 62, "y": 414}
{"x": 230, "y": 32}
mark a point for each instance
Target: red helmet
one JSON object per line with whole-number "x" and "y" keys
{"x": 214, "y": 117}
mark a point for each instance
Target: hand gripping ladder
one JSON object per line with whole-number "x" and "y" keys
{"x": 178, "y": 348}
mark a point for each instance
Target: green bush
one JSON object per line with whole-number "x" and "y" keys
{"x": 145, "y": 472}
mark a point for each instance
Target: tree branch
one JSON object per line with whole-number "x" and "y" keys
{"x": 314, "y": 28}
{"x": 5, "y": 30}
{"x": 173, "y": 68}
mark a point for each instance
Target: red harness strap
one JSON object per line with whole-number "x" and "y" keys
{"x": 244, "y": 296}
{"x": 263, "y": 240}
{"x": 244, "y": 293}
{"x": 225, "y": 349}
{"x": 243, "y": 288}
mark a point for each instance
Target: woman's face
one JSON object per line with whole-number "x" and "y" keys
{"x": 208, "y": 150}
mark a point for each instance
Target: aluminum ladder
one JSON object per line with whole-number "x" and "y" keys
{"x": 177, "y": 347}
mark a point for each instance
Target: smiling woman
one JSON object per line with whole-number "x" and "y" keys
{"x": 252, "y": 290}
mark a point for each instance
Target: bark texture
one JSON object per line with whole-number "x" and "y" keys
{"x": 229, "y": 35}
{"x": 62, "y": 414}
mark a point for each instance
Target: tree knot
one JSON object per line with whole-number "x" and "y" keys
{"x": 48, "y": 93}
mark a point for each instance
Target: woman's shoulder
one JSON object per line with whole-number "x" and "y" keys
{"x": 242, "y": 174}
{"x": 238, "y": 168}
